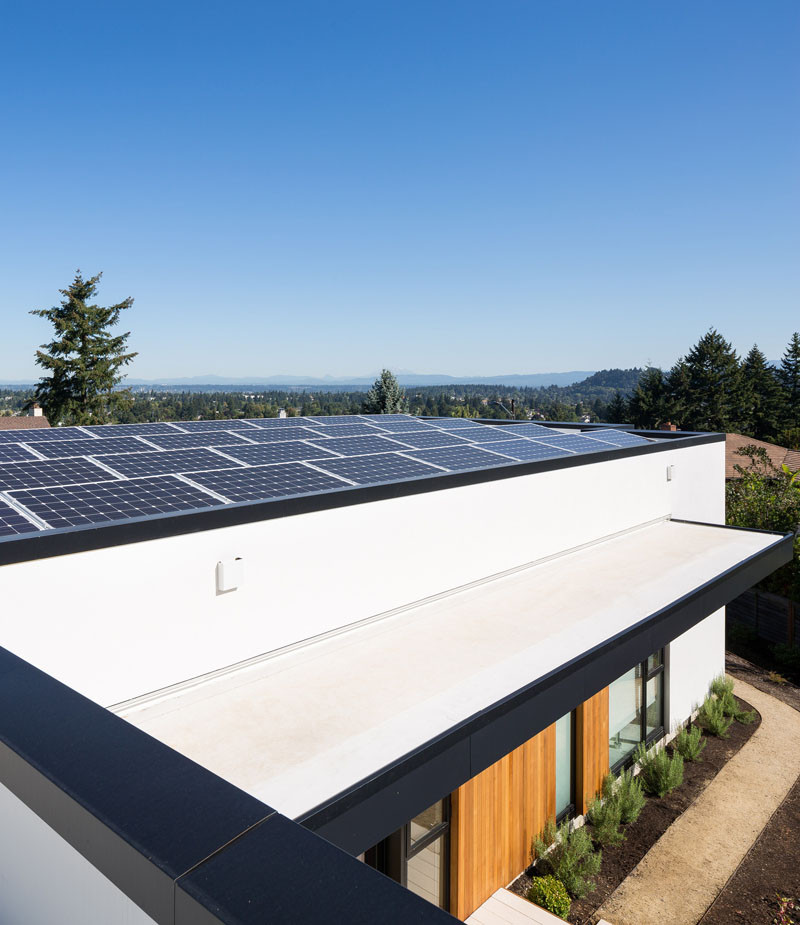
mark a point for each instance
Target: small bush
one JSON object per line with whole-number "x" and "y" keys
{"x": 659, "y": 772}
{"x": 712, "y": 718}
{"x": 721, "y": 685}
{"x": 630, "y": 797}
{"x": 551, "y": 894}
{"x": 777, "y": 678}
{"x": 572, "y": 859}
{"x": 606, "y": 820}
{"x": 689, "y": 743}
{"x": 746, "y": 717}
{"x": 787, "y": 657}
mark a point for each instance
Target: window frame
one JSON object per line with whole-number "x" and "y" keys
{"x": 646, "y": 674}
{"x": 568, "y": 812}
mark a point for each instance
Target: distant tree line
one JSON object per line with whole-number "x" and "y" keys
{"x": 712, "y": 389}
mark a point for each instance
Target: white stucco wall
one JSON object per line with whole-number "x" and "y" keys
{"x": 120, "y": 622}
{"x": 695, "y": 658}
{"x": 45, "y": 881}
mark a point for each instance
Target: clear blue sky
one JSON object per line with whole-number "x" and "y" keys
{"x": 458, "y": 187}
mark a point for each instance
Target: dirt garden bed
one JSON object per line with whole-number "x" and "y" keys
{"x": 655, "y": 819}
{"x": 772, "y": 865}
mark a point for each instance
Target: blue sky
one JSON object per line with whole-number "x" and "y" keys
{"x": 457, "y": 187}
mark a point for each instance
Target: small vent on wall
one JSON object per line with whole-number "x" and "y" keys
{"x": 230, "y": 574}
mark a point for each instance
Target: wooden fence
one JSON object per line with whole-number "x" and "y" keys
{"x": 773, "y": 618}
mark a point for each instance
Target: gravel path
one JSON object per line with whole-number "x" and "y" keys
{"x": 690, "y": 864}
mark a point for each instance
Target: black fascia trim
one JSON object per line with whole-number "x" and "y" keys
{"x": 360, "y": 816}
{"x": 32, "y": 546}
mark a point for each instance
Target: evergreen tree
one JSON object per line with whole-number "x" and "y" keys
{"x": 385, "y": 396}
{"x": 617, "y": 409}
{"x": 789, "y": 376}
{"x": 762, "y": 397}
{"x": 647, "y": 406}
{"x": 714, "y": 400}
{"x": 83, "y": 358}
{"x": 676, "y": 392}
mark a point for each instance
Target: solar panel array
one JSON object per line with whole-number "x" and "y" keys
{"x": 66, "y": 477}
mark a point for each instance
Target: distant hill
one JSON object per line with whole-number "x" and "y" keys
{"x": 529, "y": 380}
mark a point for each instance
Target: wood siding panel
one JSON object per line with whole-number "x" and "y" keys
{"x": 591, "y": 737}
{"x": 494, "y": 818}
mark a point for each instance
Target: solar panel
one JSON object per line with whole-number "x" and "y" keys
{"x": 619, "y": 438}
{"x": 162, "y": 462}
{"x": 281, "y": 422}
{"x": 357, "y": 429}
{"x": 192, "y": 427}
{"x": 383, "y": 467}
{"x": 61, "y": 449}
{"x": 261, "y": 482}
{"x": 454, "y": 423}
{"x": 187, "y": 441}
{"x": 13, "y": 452}
{"x": 525, "y": 450}
{"x": 429, "y": 440}
{"x": 34, "y": 435}
{"x": 576, "y": 443}
{"x": 327, "y": 419}
{"x": 486, "y": 433}
{"x": 277, "y": 434}
{"x": 358, "y": 446}
{"x": 12, "y": 523}
{"x": 78, "y": 505}
{"x": 388, "y": 417}
{"x": 40, "y": 472}
{"x": 457, "y": 458}
{"x": 410, "y": 426}
{"x": 528, "y": 429}
{"x": 131, "y": 430}
{"x": 266, "y": 453}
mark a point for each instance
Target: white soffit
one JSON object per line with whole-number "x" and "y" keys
{"x": 299, "y": 728}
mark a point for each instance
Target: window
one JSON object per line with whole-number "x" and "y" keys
{"x": 565, "y": 766}
{"x": 427, "y": 843}
{"x": 417, "y": 855}
{"x": 636, "y": 709}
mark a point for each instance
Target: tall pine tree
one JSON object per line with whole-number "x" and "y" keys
{"x": 762, "y": 397}
{"x": 647, "y": 406}
{"x": 715, "y": 385}
{"x": 385, "y": 396}
{"x": 617, "y": 409}
{"x": 84, "y": 358}
{"x": 789, "y": 376}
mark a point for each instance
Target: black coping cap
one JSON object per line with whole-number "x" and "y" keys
{"x": 279, "y": 872}
{"x": 139, "y": 811}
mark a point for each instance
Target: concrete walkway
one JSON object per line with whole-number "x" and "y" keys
{"x": 689, "y": 865}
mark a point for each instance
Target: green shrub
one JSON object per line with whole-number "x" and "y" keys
{"x": 787, "y": 657}
{"x": 551, "y": 894}
{"x": 630, "y": 797}
{"x": 712, "y": 717}
{"x": 689, "y": 743}
{"x": 721, "y": 685}
{"x": 606, "y": 820}
{"x": 659, "y": 772}
{"x": 572, "y": 858}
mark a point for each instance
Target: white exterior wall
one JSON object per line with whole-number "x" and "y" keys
{"x": 44, "y": 880}
{"x": 694, "y": 659}
{"x": 119, "y": 622}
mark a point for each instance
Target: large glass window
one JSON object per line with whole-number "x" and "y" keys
{"x": 636, "y": 709}
{"x": 564, "y": 765}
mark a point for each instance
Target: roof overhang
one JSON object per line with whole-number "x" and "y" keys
{"x": 355, "y": 733}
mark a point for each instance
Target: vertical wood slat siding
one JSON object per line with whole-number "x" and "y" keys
{"x": 591, "y": 735}
{"x": 494, "y": 818}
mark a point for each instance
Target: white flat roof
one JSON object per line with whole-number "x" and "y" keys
{"x": 297, "y": 728}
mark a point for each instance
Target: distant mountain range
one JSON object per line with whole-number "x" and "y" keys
{"x": 405, "y": 378}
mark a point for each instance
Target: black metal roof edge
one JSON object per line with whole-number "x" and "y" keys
{"x": 160, "y": 826}
{"x": 449, "y": 760}
{"x": 49, "y": 543}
